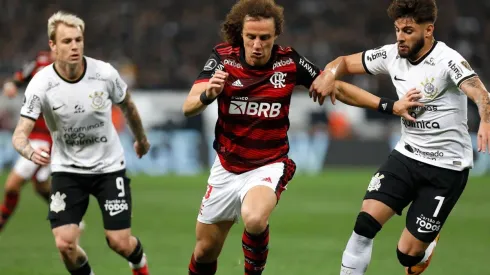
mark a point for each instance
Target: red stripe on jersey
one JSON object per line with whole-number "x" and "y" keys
{"x": 201, "y": 81}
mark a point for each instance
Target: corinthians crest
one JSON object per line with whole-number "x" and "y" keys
{"x": 98, "y": 100}
{"x": 430, "y": 90}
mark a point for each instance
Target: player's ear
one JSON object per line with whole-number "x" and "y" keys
{"x": 429, "y": 30}
{"x": 52, "y": 46}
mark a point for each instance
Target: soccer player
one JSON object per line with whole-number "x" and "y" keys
{"x": 75, "y": 95}
{"x": 253, "y": 79}
{"x": 25, "y": 170}
{"x": 429, "y": 166}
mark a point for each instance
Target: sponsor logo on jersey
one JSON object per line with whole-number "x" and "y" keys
{"x": 421, "y": 124}
{"x": 281, "y": 63}
{"x": 81, "y": 139}
{"x": 32, "y": 103}
{"x": 427, "y": 225}
{"x": 456, "y": 69}
{"x": 377, "y": 54}
{"x": 83, "y": 128}
{"x": 278, "y": 79}
{"x": 430, "y": 62}
{"x": 250, "y": 108}
{"x": 232, "y": 63}
{"x": 427, "y": 155}
{"x": 52, "y": 85}
{"x": 307, "y": 65}
{"x": 97, "y": 77}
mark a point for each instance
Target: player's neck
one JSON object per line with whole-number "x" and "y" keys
{"x": 70, "y": 71}
{"x": 423, "y": 51}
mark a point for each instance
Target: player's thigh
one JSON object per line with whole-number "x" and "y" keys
{"x": 113, "y": 193}
{"x": 43, "y": 173}
{"x": 220, "y": 201}
{"x": 263, "y": 187}
{"x": 391, "y": 188}
{"x": 434, "y": 202}
{"x": 210, "y": 239}
{"x": 69, "y": 199}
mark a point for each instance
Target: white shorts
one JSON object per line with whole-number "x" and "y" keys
{"x": 226, "y": 191}
{"x": 27, "y": 169}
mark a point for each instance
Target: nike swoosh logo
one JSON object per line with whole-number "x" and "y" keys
{"x": 424, "y": 231}
{"x": 113, "y": 213}
{"x": 56, "y": 108}
{"x": 347, "y": 266}
{"x": 399, "y": 79}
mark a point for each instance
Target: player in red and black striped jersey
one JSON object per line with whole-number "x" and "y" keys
{"x": 252, "y": 80}
{"x": 25, "y": 170}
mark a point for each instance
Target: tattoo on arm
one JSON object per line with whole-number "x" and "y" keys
{"x": 481, "y": 98}
{"x": 133, "y": 118}
{"x": 20, "y": 138}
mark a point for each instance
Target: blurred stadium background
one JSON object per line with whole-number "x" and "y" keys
{"x": 159, "y": 48}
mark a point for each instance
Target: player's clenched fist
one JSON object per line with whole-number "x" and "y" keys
{"x": 40, "y": 156}
{"x": 216, "y": 84}
{"x": 141, "y": 147}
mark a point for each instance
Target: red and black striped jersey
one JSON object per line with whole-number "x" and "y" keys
{"x": 22, "y": 78}
{"x": 253, "y": 109}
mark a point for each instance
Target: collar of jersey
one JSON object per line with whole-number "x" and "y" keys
{"x": 267, "y": 65}
{"x": 424, "y": 56}
{"x": 76, "y": 80}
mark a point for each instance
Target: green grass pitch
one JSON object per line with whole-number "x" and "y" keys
{"x": 309, "y": 230}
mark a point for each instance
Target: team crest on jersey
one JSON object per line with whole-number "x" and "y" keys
{"x": 278, "y": 79}
{"x": 98, "y": 101}
{"x": 430, "y": 90}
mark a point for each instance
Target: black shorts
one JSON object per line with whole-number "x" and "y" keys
{"x": 70, "y": 197}
{"x": 433, "y": 192}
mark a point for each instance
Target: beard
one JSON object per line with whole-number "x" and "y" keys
{"x": 414, "y": 50}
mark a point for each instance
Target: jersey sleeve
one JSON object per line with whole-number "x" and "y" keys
{"x": 306, "y": 71}
{"x": 458, "y": 69}
{"x": 117, "y": 87}
{"x": 376, "y": 61}
{"x": 212, "y": 64}
{"x": 33, "y": 100}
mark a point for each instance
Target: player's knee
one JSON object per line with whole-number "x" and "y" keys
{"x": 366, "y": 225}
{"x": 255, "y": 223}
{"x": 408, "y": 260}
{"x": 206, "y": 251}
{"x": 120, "y": 244}
{"x": 65, "y": 245}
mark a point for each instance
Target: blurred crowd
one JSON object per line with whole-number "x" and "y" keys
{"x": 164, "y": 44}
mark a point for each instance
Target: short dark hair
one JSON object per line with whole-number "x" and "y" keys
{"x": 232, "y": 27}
{"x": 422, "y": 11}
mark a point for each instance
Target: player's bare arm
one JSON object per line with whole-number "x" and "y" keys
{"x": 355, "y": 96}
{"x": 134, "y": 121}
{"x": 21, "y": 142}
{"x": 477, "y": 92}
{"x": 203, "y": 94}
{"x": 342, "y": 65}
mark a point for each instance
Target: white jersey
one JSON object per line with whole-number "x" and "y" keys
{"x": 79, "y": 117}
{"x": 440, "y": 136}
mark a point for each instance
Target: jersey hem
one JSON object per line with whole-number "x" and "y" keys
{"x": 408, "y": 154}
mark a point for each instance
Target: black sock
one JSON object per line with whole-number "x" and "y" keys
{"x": 85, "y": 269}
{"x": 137, "y": 254}
{"x": 196, "y": 268}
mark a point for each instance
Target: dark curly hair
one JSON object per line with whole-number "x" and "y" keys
{"x": 231, "y": 29}
{"x": 422, "y": 11}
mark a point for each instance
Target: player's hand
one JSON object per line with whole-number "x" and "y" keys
{"x": 141, "y": 147}
{"x": 484, "y": 137}
{"x": 41, "y": 156}
{"x": 323, "y": 86}
{"x": 216, "y": 84}
{"x": 410, "y": 100}
{"x": 9, "y": 89}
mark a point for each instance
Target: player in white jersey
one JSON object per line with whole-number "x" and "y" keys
{"x": 429, "y": 166}
{"x": 75, "y": 95}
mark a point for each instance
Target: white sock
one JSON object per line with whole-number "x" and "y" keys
{"x": 357, "y": 255}
{"x": 429, "y": 251}
{"x": 141, "y": 264}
